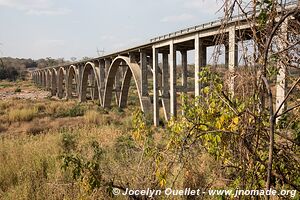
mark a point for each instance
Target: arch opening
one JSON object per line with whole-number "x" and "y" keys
{"x": 61, "y": 83}
{"x": 44, "y": 82}
{"x": 130, "y": 69}
{"x": 72, "y": 85}
{"x": 53, "y": 85}
{"x": 48, "y": 79}
{"x": 89, "y": 83}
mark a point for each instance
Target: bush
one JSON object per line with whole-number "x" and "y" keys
{"x": 25, "y": 114}
{"x": 68, "y": 141}
{"x": 35, "y": 129}
{"x": 8, "y": 73}
{"x": 74, "y": 111}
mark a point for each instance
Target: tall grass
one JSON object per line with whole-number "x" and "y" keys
{"x": 92, "y": 116}
{"x": 24, "y": 114}
{"x": 30, "y": 166}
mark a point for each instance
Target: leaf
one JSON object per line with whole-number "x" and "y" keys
{"x": 206, "y": 90}
{"x": 235, "y": 120}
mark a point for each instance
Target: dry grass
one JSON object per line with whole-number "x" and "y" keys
{"x": 92, "y": 116}
{"x": 32, "y": 144}
{"x": 54, "y": 107}
{"x": 32, "y": 168}
{"x": 4, "y": 105}
{"x": 25, "y": 114}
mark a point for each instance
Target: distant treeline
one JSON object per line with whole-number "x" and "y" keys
{"x": 14, "y": 68}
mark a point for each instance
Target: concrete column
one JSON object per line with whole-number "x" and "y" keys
{"x": 172, "y": 65}
{"x": 46, "y": 80}
{"x": 92, "y": 85}
{"x": 60, "y": 88}
{"x": 232, "y": 58}
{"x": 144, "y": 77}
{"x": 132, "y": 58}
{"x": 118, "y": 78}
{"x": 40, "y": 79}
{"x": 165, "y": 85}
{"x": 107, "y": 62}
{"x": 184, "y": 70}
{"x": 155, "y": 87}
{"x": 280, "y": 79}
{"x": 165, "y": 75}
{"x": 49, "y": 80}
{"x": 102, "y": 75}
{"x": 53, "y": 83}
{"x": 184, "y": 75}
{"x": 43, "y": 79}
{"x": 226, "y": 55}
{"x": 101, "y": 80}
{"x": 200, "y": 61}
{"x": 69, "y": 84}
{"x": 80, "y": 75}
{"x": 95, "y": 89}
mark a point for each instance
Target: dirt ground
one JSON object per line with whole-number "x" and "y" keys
{"x": 18, "y": 90}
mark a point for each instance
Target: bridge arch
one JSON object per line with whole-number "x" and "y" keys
{"x": 44, "y": 82}
{"x": 72, "y": 80}
{"x": 39, "y": 78}
{"x": 33, "y": 77}
{"x": 89, "y": 74}
{"x": 134, "y": 71}
{"x": 48, "y": 78}
{"x": 53, "y": 77}
{"x": 61, "y": 82}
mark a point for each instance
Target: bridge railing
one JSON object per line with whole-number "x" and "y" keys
{"x": 210, "y": 24}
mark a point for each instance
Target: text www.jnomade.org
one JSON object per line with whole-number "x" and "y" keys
{"x": 197, "y": 192}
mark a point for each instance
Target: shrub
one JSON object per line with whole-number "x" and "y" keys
{"x": 54, "y": 107}
{"x": 74, "y": 111}
{"x": 9, "y": 73}
{"x": 36, "y": 129}
{"x": 40, "y": 107}
{"x": 68, "y": 141}
{"x": 25, "y": 114}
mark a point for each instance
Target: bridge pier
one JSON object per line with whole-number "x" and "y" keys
{"x": 200, "y": 62}
{"x": 144, "y": 76}
{"x": 184, "y": 76}
{"x": 173, "y": 74}
{"x": 53, "y": 82}
{"x": 165, "y": 85}
{"x": 155, "y": 87}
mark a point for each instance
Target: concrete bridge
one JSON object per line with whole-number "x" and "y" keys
{"x": 107, "y": 77}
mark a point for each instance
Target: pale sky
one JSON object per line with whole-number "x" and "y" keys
{"x": 76, "y": 28}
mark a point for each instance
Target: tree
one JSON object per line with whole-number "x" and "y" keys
{"x": 256, "y": 142}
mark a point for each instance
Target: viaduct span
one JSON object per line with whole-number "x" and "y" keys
{"x": 157, "y": 87}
